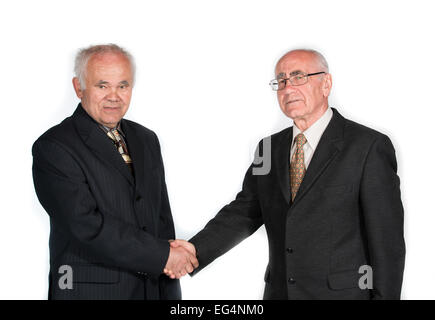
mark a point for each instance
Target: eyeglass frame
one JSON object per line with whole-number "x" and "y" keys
{"x": 306, "y": 75}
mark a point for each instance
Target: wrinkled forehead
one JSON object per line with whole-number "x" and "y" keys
{"x": 109, "y": 68}
{"x": 296, "y": 63}
{"x": 108, "y": 60}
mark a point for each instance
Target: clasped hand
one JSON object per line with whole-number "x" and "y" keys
{"x": 182, "y": 259}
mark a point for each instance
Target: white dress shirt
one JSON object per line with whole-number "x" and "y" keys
{"x": 313, "y": 135}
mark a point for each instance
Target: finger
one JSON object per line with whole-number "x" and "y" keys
{"x": 188, "y": 246}
{"x": 189, "y": 268}
{"x": 194, "y": 261}
{"x": 171, "y": 274}
{"x": 174, "y": 244}
{"x": 178, "y": 243}
{"x": 168, "y": 272}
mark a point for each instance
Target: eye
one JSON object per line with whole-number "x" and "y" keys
{"x": 102, "y": 86}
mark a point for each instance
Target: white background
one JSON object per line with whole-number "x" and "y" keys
{"x": 203, "y": 69}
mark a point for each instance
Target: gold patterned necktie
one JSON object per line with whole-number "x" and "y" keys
{"x": 297, "y": 165}
{"x": 120, "y": 146}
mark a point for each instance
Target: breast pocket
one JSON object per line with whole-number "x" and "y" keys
{"x": 337, "y": 189}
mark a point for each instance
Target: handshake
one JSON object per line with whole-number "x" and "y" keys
{"x": 182, "y": 259}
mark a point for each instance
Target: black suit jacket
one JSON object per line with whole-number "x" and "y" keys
{"x": 111, "y": 227}
{"x": 346, "y": 214}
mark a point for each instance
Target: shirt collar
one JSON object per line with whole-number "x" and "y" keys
{"x": 315, "y": 131}
{"x": 118, "y": 127}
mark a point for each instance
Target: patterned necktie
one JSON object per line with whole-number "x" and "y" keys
{"x": 297, "y": 165}
{"x": 120, "y": 145}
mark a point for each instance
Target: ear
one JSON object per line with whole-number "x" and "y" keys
{"x": 327, "y": 85}
{"x": 77, "y": 87}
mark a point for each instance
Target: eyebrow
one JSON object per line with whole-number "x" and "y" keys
{"x": 293, "y": 73}
{"x": 101, "y": 82}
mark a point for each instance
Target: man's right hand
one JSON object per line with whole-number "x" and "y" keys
{"x": 182, "y": 259}
{"x": 185, "y": 244}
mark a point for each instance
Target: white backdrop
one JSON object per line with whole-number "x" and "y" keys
{"x": 203, "y": 69}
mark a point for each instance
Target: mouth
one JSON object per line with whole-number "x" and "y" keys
{"x": 110, "y": 108}
{"x": 292, "y": 101}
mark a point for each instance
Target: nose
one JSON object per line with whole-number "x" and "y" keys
{"x": 113, "y": 96}
{"x": 288, "y": 87}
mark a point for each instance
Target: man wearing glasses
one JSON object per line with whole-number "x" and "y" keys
{"x": 330, "y": 201}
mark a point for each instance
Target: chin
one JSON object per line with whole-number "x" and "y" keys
{"x": 112, "y": 116}
{"x": 111, "y": 121}
{"x": 293, "y": 113}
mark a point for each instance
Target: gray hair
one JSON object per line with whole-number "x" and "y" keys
{"x": 84, "y": 54}
{"x": 320, "y": 58}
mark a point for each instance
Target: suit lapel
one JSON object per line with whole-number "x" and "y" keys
{"x": 329, "y": 146}
{"x": 136, "y": 148}
{"x": 282, "y": 163}
{"x": 95, "y": 138}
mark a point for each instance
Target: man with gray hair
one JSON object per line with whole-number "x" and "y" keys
{"x": 330, "y": 199}
{"x": 100, "y": 178}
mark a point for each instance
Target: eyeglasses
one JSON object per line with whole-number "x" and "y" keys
{"x": 295, "y": 80}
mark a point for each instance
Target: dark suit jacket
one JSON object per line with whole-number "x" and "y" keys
{"x": 347, "y": 213}
{"x": 111, "y": 227}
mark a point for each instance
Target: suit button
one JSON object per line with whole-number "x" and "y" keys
{"x": 144, "y": 228}
{"x": 291, "y": 281}
{"x": 289, "y": 250}
{"x": 138, "y": 198}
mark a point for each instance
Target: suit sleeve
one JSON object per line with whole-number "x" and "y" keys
{"x": 63, "y": 191}
{"x": 383, "y": 217}
{"x": 234, "y": 222}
